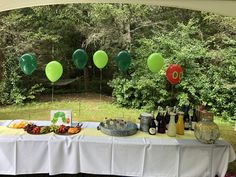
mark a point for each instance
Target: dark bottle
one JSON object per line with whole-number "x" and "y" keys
{"x": 162, "y": 123}
{"x": 152, "y": 127}
{"x": 186, "y": 118}
{"x": 194, "y": 119}
{"x": 158, "y": 115}
{"x": 167, "y": 116}
{"x": 176, "y": 112}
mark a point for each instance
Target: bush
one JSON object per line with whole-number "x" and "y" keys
{"x": 207, "y": 71}
{"x": 12, "y": 88}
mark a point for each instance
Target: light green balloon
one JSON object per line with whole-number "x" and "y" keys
{"x": 100, "y": 59}
{"x": 155, "y": 62}
{"x": 54, "y": 71}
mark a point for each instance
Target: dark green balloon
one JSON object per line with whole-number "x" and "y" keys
{"x": 123, "y": 60}
{"x": 28, "y": 63}
{"x": 80, "y": 58}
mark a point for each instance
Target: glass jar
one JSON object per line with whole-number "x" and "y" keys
{"x": 145, "y": 119}
{"x": 206, "y": 131}
{"x": 180, "y": 124}
{"x": 172, "y": 126}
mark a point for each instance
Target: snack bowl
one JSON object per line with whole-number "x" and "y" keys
{"x": 118, "y": 127}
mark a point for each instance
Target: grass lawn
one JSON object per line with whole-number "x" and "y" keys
{"x": 84, "y": 108}
{"x": 227, "y": 133}
{"x": 89, "y": 107}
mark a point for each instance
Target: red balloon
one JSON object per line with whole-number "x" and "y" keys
{"x": 174, "y": 74}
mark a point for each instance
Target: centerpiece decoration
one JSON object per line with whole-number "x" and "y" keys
{"x": 61, "y": 117}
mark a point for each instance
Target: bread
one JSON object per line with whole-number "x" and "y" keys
{"x": 73, "y": 130}
{"x": 20, "y": 124}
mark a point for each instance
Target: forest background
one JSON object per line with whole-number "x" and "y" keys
{"x": 204, "y": 44}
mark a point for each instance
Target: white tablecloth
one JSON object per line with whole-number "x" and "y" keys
{"x": 126, "y": 156}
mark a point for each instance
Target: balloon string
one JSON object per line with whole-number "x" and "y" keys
{"x": 52, "y": 91}
{"x": 79, "y": 110}
{"x": 153, "y": 96}
{"x": 100, "y": 84}
{"x": 172, "y": 91}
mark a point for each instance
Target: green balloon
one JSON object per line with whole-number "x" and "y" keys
{"x": 155, "y": 62}
{"x": 100, "y": 59}
{"x": 54, "y": 71}
{"x": 28, "y": 63}
{"x": 123, "y": 60}
{"x": 80, "y": 58}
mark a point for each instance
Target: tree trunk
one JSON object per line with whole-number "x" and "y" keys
{"x": 128, "y": 36}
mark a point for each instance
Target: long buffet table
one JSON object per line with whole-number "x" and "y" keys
{"x": 90, "y": 151}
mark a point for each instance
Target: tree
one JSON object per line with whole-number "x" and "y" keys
{"x": 204, "y": 44}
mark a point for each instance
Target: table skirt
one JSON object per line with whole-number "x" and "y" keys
{"x": 92, "y": 152}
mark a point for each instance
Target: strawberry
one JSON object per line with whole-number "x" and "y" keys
{"x": 36, "y": 130}
{"x": 62, "y": 129}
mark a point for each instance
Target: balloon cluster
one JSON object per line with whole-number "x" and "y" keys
{"x": 28, "y": 65}
{"x": 100, "y": 59}
{"x": 174, "y": 72}
{"x": 54, "y": 69}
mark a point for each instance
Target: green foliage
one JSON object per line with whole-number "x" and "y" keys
{"x": 9, "y": 86}
{"x": 12, "y": 88}
{"x": 203, "y": 44}
{"x": 140, "y": 91}
{"x": 207, "y": 70}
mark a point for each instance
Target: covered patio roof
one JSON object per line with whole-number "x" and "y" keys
{"x": 223, "y": 7}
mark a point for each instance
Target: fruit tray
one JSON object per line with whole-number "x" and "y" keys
{"x": 37, "y": 130}
{"x": 40, "y": 133}
{"x": 60, "y": 130}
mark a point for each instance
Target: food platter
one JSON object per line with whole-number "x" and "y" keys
{"x": 37, "y": 130}
{"x": 118, "y": 127}
{"x": 68, "y": 132}
{"x": 38, "y": 133}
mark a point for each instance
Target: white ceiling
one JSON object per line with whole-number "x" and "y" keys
{"x": 223, "y": 7}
